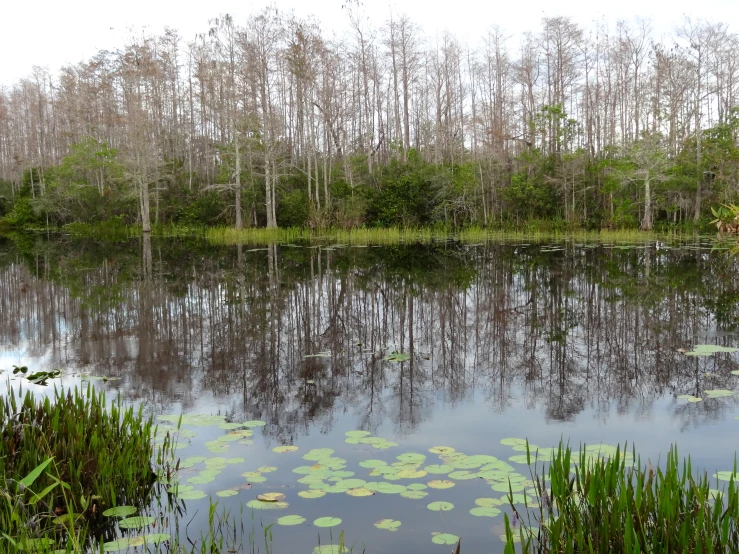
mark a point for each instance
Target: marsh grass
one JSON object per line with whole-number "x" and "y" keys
{"x": 604, "y": 506}
{"x": 389, "y": 236}
{"x": 83, "y": 454}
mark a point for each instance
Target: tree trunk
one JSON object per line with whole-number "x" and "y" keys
{"x": 646, "y": 223}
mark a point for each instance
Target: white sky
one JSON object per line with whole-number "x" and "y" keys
{"x": 51, "y": 33}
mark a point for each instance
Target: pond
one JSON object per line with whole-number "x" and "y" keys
{"x": 438, "y": 358}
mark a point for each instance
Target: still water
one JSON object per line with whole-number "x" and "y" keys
{"x": 583, "y": 343}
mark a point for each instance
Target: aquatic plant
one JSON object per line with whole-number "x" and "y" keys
{"x": 588, "y": 503}
{"x": 81, "y": 453}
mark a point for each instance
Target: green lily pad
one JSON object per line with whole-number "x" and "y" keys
{"x": 440, "y": 506}
{"x": 439, "y": 469}
{"x": 202, "y": 479}
{"x": 284, "y": 449}
{"x": 414, "y": 495}
{"x": 417, "y": 487}
{"x": 462, "y": 475}
{"x": 156, "y": 538}
{"x": 412, "y": 457}
{"x": 385, "y": 488}
{"x": 485, "y": 511}
{"x": 388, "y": 524}
{"x": 119, "y": 511}
{"x": 259, "y": 505}
{"x": 441, "y": 484}
{"x": 726, "y": 476}
{"x": 490, "y": 502}
{"x": 506, "y": 487}
{"x": 357, "y": 434}
{"x": 718, "y": 393}
{"x": 444, "y": 538}
{"x": 441, "y": 450}
{"x": 266, "y": 469}
{"x": 318, "y": 454}
{"x": 137, "y": 522}
{"x": 360, "y": 491}
{"x": 397, "y": 357}
{"x": 513, "y": 442}
{"x": 229, "y": 426}
{"x": 226, "y": 493}
{"x": 123, "y": 544}
{"x": 254, "y": 423}
{"x": 290, "y": 520}
{"x": 372, "y": 464}
{"x": 327, "y": 522}
{"x": 330, "y": 549}
{"x": 312, "y": 494}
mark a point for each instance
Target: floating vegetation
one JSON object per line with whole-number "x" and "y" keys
{"x": 709, "y": 350}
{"x": 284, "y": 449}
{"x": 690, "y": 398}
{"x": 441, "y": 484}
{"x": 119, "y": 511}
{"x": 137, "y": 522}
{"x": 718, "y": 393}
{"x": 327, "y": 522}
{"x": 397, "y": 357}
{"x": 440, "y": 506}
{"x": 444, "y": 538}
{"x": 312, "y": 494}
{"x": 259, "y": 505}
{"x": 388, "y": 524}
{"x": 290, "y": 520}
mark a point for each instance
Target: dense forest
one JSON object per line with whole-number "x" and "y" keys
{"x": 276, "y": 121}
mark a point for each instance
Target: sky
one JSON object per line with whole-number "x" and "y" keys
{"x": 49, "y": 33}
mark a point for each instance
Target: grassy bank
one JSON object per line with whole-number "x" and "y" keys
{"x": 362, "y": 236}
{"x": 605, "y": 506}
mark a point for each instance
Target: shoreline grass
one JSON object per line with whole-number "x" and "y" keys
{"x": 609, "y": 505}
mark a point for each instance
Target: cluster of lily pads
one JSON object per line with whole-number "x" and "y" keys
{"x": 410, "y": 475}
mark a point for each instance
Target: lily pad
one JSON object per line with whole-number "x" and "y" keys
{"x": 259, "y": 505}
{"x": 444, "y": 538}
{"x": 361, "y": 491}
{"x": 284, "y": 449}
{"x": 318, "y": 454}
{"x": 397, "y": 357}
{"x": 441, "y": 484}
{"x": 412, "y": 457}
{"x": 388, "y": 524}
{"x": 414, "y": 495}
{"x": 441, "y": 450}
{"x": 726, "y": 476}
{"x": 271, "y": 497}
{"x": 312, "y": 494}
{"x": 266, "y": 469}
{"x": 290, "y": 520}
{"x": 411, "y": 474}
{"x": 440, "y": 506}
{"x": 357, "y": 434}
{"x": 119, "y": 511}
{"x": 718, "y": 393}
{"x": 490, "y": 502}
{"x": 137, "y": 522}
{"x": 254, "y": 423}
{"x": 156, "y": 538}
{"x": 439, "y": 469}
{"x": 372, "y": 464}
{"x": 226, "y": 493}
{"x": 513, "y": 442}
{"x": 327, "y": 522}
{"x": 330, "y": 549}
{"x": 481, "y": 511}
{"x": 123, "y": 544}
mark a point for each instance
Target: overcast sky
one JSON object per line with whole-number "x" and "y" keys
{"x": 51, "y": 33}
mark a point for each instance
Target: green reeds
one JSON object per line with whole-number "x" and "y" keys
{"x": 606, "y": 505}
{"x": 395, "y": 235}
{"x": 93, "y": 454}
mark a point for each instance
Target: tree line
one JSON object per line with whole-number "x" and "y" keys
{"x": 277, "y": 121}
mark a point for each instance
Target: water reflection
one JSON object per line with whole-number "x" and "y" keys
{"x": 563, "y": 329}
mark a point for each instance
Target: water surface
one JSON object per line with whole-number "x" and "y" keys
{"x": 579, "y": 342}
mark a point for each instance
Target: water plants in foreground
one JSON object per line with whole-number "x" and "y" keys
{"x": 611, "y": 505}
{"x": 65, "y": 459}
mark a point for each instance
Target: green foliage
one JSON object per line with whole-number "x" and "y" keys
{"x": 292, "y": 209}
{"x": 606, "y": 505}
{"x": 100, "y": 450}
